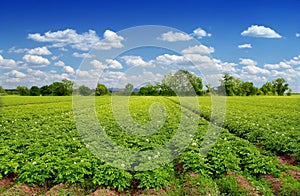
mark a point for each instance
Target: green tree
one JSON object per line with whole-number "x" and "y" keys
{"x": 280, "y": 86}
{"x": 34, "y": 91}
{"x": 229, "y": 84}
{"x": 268, "y": 89}
{"x": 58, "y": 89}
{"x": 149, "y": 89}
{"x": 84, "y": 90}
{"x": 128, "y": 89}
{"x": 23, "y": 90}
{"x": 46, "y": 90}
{"x": 208, "y": 88}
{"x": 184, "y": 83}
{"x": 101, "y": 89}
{"x": 2, "y": 91}
{"x": 68, "y": 86}
{"x": 289, "y": 93}
{"x": 248, "y": 89}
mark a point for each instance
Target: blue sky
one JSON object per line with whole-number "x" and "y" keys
{"x": 45, "y": 41}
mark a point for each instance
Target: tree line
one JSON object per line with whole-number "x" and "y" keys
{"x": 182, "y": 82}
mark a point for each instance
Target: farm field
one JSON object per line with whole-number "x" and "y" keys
{"x": 256, "y": 151}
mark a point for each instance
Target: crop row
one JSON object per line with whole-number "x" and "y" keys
{"x": 269, "y": 122}
{"x": 41, "y": 144}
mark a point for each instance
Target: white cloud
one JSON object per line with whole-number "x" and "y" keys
{"x": 84, "y": 41}
{"x": 65, "y": 68}
{"x": 20, "y": 50}
{"x": 247, "y": 62}
{"x": 82, "y": 55}
{"x": 175, "y": 36}
{"x": 199, "y": 32}
{"x": 60, "y": 64}
{"x": 15, "y": 74}
{"x": 39, "y": 51}
{"x": 34, "y": 59}
{"x": 7, "y": 63}
{"x": 260, "y": 31}
{"x": 68, "y": 69}
{"x": 198, "y": 49}
{"x": 97, "y": 64}
{"x": 111, "y": 40}
{"x": 297, "y": 34}
{"x": 242, "y": 46}
{"x": 167, "y": 59}
{"x": 252, "y": 69}
{"x": 114, "y": 64}
{"x": 137, "y": 61}
{"x": 286, "y": 64}
{"x": 1, "y": 51}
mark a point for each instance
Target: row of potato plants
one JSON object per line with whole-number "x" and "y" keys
{"x": 269, "y": 122}
{"x": 40, "y": 143}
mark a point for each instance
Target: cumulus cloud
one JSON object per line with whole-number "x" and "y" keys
{"x": 286, "y": 64}
{"x": 84, "y": 41}
{"x": 7, "y": 63}
{"x": 260, "y": 31}
{"x": 175, "y": 36}
{"x": 68, "y": 69}
{"x": 59, "y": 64}
{"x": 15, "y": 74}
{"x": 114, "y": 64}
{"x": 252, "y": 69}
{"x": 198, "y": 49}
{"x": 111, "y": 40}
{"x": 39, "y": 51}
{"x": 82, "y": 55}
{"x": 242, "y": 46}
{"x": 19, "y": 50}
{"x": 200, "y": 33}
{"x": 167, "y": 59}
{"x": 297, "y": 34}
{"x": 247, "y": 62}
{"x": 137, "y": 61}
{"x": 97, "y": 64}
{"x": 35, "y": 59}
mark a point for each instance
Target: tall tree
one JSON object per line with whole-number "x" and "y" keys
{"x": 268, "y": 89}
{"x": 280, "y": 86}
{"x": 58, "y": 89}
{"x": 101, "y": 89}
{"x": 68, "y": 86}
{"x": 46, "y": 90}
{"x": 23, "y": 90}
{"x": 84, "y": 90}
{"x": 184, "y": 83}
{"x": 34, "y": 91}
{"x": 128, "y": 89}
{"x": 2, "y": 91}
{"x": 228, "y": 82}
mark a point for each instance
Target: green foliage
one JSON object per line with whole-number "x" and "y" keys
{"x": 280, "y": 86}
{"x": 68, "y": 86}
{"x": 34, "y": 91}
{"x": 46, "y": 90}
{"x": 229, "y": 186}
{"x": 2, "y": 91}
{"x": 101, "y": 89}
{"x": 40, "y": 143}
{"x": 290, "y": 186}
{"x": 112, "y": 177}
{"x": 156, "y": 178}
{"x": 23, "y": 90}
{"x": 84, "y": 90}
